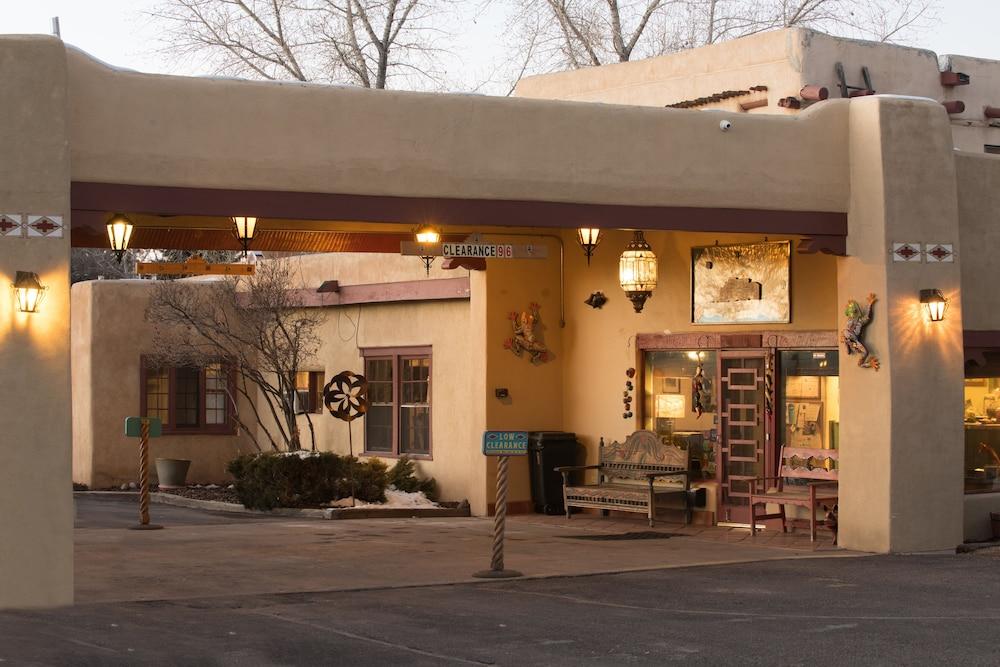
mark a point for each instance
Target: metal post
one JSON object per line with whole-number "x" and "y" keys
{"x": 144, "y": 523}
{"x": 499, "y": 524}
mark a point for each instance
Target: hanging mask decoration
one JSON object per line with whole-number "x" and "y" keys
{"x": 346, "y": 396}
{"x": 697, "y": 389}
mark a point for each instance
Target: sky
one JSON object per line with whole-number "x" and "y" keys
{"x": 121, "y": 33}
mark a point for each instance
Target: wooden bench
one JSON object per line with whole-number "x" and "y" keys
{"x": 821, "y": 465}
{"x": 641, "y": 457}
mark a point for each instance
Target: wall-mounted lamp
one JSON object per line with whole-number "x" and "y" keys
{"x": 934, "y": 304}
{"x": 28, "y": 292}
{"x": 119, "y": 234}
{"x": 589, "y": 238}
{"x": 245, "y": 228}
{"x": 427, "y": 235}
{"x": 637, "y": 271}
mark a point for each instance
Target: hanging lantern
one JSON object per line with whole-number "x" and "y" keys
{"x": 588, "y": 237}
{"x": 119, "y": 234}
{"x": 637, "y": 271}
{"x": 427, "y": 235}
{"x": 28, "y": 291}
{"x": 934, "y": 304}
{"x": 245, "y": 227}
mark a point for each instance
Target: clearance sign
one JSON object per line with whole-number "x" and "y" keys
{"x": 484, "y": 250}
{"x": 505, "y": 443}
{"x": 475, "y": 249}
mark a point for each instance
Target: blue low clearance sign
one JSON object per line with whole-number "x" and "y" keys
{"x": 505, "y": 443}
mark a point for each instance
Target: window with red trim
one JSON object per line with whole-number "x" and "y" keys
{"x": 189, "y": 400}
{"x": 398, "y": 421}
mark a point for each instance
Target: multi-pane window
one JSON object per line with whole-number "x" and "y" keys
{"x": 309, "y": 392}
{"x": 188, "y": 399}
{"x": 399, "y": 401}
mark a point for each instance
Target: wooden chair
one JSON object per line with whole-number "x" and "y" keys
{"x": 821, "y": 465}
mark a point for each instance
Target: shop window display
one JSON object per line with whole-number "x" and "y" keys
{"x": 982, "y": 434}
{"x": 679, "y": 405}
{"x": 810, "y": 414}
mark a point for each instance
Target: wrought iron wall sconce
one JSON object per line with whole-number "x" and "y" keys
{"x": 119, "y": 234}
{"x": 245, "y": 228}
{"x": 28, "y": 291}
{"x": 427, "y": 235}
{"x": 637, "y": 271}
{"x": 589, "y": 238}
{"x": 934, "y": 304}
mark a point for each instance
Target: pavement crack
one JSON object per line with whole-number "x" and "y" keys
{"x": 742, "y": 614}
{"x": 372, "y": 640}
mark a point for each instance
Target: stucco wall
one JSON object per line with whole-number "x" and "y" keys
{"x": 146, "y": 129}
{"x": 444, "y": 326}
{"x": 110, "y": 336}
{"x": 979, "y": 217}
{"x": 600, "y": 344}
{"x": 784, "y": 61}
{"x": 36, "y": 523}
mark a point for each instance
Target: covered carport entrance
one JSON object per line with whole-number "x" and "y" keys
{"x": 339, "y": 158}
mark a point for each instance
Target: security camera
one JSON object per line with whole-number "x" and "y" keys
{"x": 725, "y": 125}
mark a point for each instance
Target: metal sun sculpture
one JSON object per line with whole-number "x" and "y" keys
{"x": 857, "y": 319}
{"x": 525, "y": 338}
{"x": 346, "y": 396}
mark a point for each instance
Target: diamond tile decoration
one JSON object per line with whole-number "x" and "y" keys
{"x": 906, "y": 252}
{"x": 45, "y": 225}
{"x": 11, "y": 224}
{"x": 940, "y": 252}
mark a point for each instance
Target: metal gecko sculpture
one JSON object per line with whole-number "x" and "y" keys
{"x": 857, "y": 319}
{"x": 524, "y": 339}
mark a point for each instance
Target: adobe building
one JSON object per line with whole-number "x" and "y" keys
{"x": 764, "y": 227}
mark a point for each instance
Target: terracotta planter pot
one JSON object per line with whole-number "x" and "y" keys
{"x": 172, "y": 473}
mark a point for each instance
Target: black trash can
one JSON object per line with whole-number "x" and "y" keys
{"x": 548, "y": 450}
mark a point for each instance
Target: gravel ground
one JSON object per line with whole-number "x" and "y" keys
{"x": 221, "y": 494}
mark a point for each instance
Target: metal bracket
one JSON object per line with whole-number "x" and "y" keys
{"x": 853, "y": 91}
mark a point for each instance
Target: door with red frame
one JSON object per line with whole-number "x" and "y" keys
{"x": 745, "y": 429}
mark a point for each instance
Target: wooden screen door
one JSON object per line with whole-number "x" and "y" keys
{"x": 745, "y": 427}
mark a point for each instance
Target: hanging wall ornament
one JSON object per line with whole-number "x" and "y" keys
{"x": 857, "y": 319}
{"x": 525, "y": 337}
{"x": 346, "y": 396}
{"x": 596, "y": 300}
{"x": 697, "y": 389}
{"x": 627, "y": 394}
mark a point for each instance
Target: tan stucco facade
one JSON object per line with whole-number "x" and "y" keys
{"x": 886, "y": 163}
{"x": 783, "y": 62}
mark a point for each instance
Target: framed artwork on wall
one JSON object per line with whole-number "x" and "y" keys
{"x": 744, "y": 283}
{"x": 670, "y": 386}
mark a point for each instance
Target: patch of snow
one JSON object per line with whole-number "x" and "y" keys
{"x": 396, "y": 498}
{"x": 302, "y": 454}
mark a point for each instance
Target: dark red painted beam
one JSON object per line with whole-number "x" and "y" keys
{"x": 105, "y": 197}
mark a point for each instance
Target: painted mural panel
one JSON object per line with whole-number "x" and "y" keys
{"x": 746, "y": 283}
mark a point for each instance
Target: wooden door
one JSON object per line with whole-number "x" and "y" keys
{"x": 745, "y": 430}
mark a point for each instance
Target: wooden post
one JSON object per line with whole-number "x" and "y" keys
{"x": 499, "y": 526}
{"x": 144, "y": 523}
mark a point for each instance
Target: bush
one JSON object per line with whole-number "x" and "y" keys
{"x": 266, "y": 481}
{"x": 403, "y": 477}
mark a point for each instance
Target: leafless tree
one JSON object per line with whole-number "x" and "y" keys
{"x": 556, "y": 34}
{"x": 361, "y": 42}
{"x": 255, "y": 327}
{"x": 96, "y": 263}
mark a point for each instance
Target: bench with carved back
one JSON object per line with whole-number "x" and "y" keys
{"x": 643, "y": 457}
{"x": 820, "y": 466}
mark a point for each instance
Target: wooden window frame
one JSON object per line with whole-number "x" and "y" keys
{"x": 396, "y": 354}
{"x": 169, "y": 427}
{"x": 315, "y": 389}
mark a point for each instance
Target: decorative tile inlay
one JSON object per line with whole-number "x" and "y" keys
{"x": 940, "y": 252}
{"x": 906, "y": 252}
{"x": 11, "y": 225}
{"x": 45, "y": 225}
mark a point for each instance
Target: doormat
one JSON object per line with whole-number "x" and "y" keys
{"x": 613, "y": 537}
